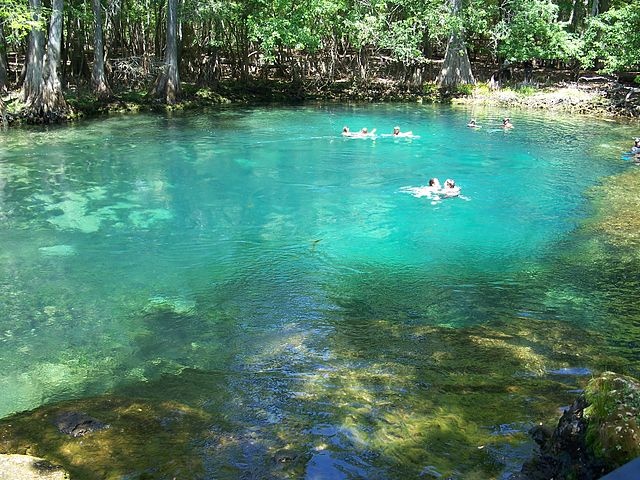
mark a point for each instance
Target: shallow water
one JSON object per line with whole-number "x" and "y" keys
{"x": 255, "y": 264}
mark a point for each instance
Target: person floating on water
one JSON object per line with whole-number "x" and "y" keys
{"x": 398, "y": 133}
{"x": 473, "y": 124}
{"x": 450, "y": 189}
{"x": 435, "y": 191}
{"x": 434, "y": 185}
{"x": 636, "y": 146}
{"x": 506, "y": 123}
{"x": 364, "y": 133}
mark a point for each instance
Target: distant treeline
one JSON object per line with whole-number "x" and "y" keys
{"x": 114, "y": 44}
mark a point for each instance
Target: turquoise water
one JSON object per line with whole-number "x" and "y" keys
{"x": 284, "y": 263}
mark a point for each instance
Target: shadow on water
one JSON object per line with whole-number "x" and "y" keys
{"x": 402, "y": 377}
{"x": 361, "y": 397}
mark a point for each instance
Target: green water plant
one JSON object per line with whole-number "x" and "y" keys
{"x": 613, "y": 431}
{"x": 616, "y": 206}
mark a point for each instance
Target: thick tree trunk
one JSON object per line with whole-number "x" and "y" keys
{"x": 98, "y": 81}
{"x": 33, "y": 80}
{"x": 53, "y": 102}
{"x": 167, "y": 86}
{"x": 456, "y": 69}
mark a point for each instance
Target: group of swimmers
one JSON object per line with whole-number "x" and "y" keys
{"x": 434, "y": 190}
{"x": 365, "y": 133}
{"x": 506, "y": 123}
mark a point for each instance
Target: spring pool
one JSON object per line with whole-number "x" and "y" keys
{"x": 255, "y": 264}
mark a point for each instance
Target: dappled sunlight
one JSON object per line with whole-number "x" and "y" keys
{"x": 236, "y": 303}
{"x": 141, "y": 436}
{"x": 617, "y": 205}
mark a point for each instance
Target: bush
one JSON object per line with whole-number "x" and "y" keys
{"x": 466, "y": 89}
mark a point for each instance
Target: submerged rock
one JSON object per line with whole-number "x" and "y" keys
{"x": 26, "y": 467}
{"x": 146, "y": 439}
{"x": 598, "y": 433}
{"x": 78, "y": 424}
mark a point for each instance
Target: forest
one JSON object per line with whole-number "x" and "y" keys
{"x": 52, "y": 49}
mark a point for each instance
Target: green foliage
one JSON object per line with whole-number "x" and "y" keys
{"x": 613, "y": 429}
{"x": 612, "y": 40}
{"x": 532, "y": 30}
{"x": 526, "y": 90}
{"x": 409, "y": 24}
{"x": 464, "y": 89}
{"x": 18, "y": 20}
{"x": 430, "y": 90}
{"x": 480, "y": 18}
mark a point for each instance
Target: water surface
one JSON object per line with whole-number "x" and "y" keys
{"x": 256, "y": 264}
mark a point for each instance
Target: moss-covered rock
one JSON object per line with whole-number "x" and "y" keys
{"x": 596, "y": 434}
{"x": 145, "y": 439}
{"x": 613, "y": 432}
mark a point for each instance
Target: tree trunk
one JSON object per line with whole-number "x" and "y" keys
{"x": 362, "y": 63}
{"x": 167, "y": 86}
{"x": 53, "y": 103}
{"x": 98, "y": 80}
{"x": 4, "y": 70}
{"x": 4, "y": 77}
{"x": 33, "y": 80}
{"x": 456, "y": 69}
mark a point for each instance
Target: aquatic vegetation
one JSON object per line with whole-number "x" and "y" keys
{"x": 613, "y": 431}
{"x": 617, "y": 206}
{"x": 179, "y": 306}
{"x": 147, "y": 439}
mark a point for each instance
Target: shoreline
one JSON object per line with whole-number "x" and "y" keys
{"x": 600, "y": 97}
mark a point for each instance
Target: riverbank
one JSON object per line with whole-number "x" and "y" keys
{"x": 590, "y": 95}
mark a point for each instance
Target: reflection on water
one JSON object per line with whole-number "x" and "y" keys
{"x": 320, "y": 322}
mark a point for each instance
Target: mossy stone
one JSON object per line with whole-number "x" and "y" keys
{"x": 613, "y": 431}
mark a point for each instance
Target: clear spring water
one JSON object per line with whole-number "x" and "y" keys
{"x": 376, "y": 334}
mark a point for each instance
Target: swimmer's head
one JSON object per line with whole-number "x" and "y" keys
{"x": 345, "y": 129}
{"x": 396, "y": 129}
{"x": 433, "y": 182}
{"x": 449, "y": 183}
{"x": 364, "y": 130}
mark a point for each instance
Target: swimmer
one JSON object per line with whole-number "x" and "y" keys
{"x": 364, "y": 133}
{"x": 506, "y": 123}
{"x": 450, "y": 189}
{"x": 397, "y": 133}
{"x": 431, "y": 190}
{"x": 636, "y": 146}
{"x": 472, "y": 124}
